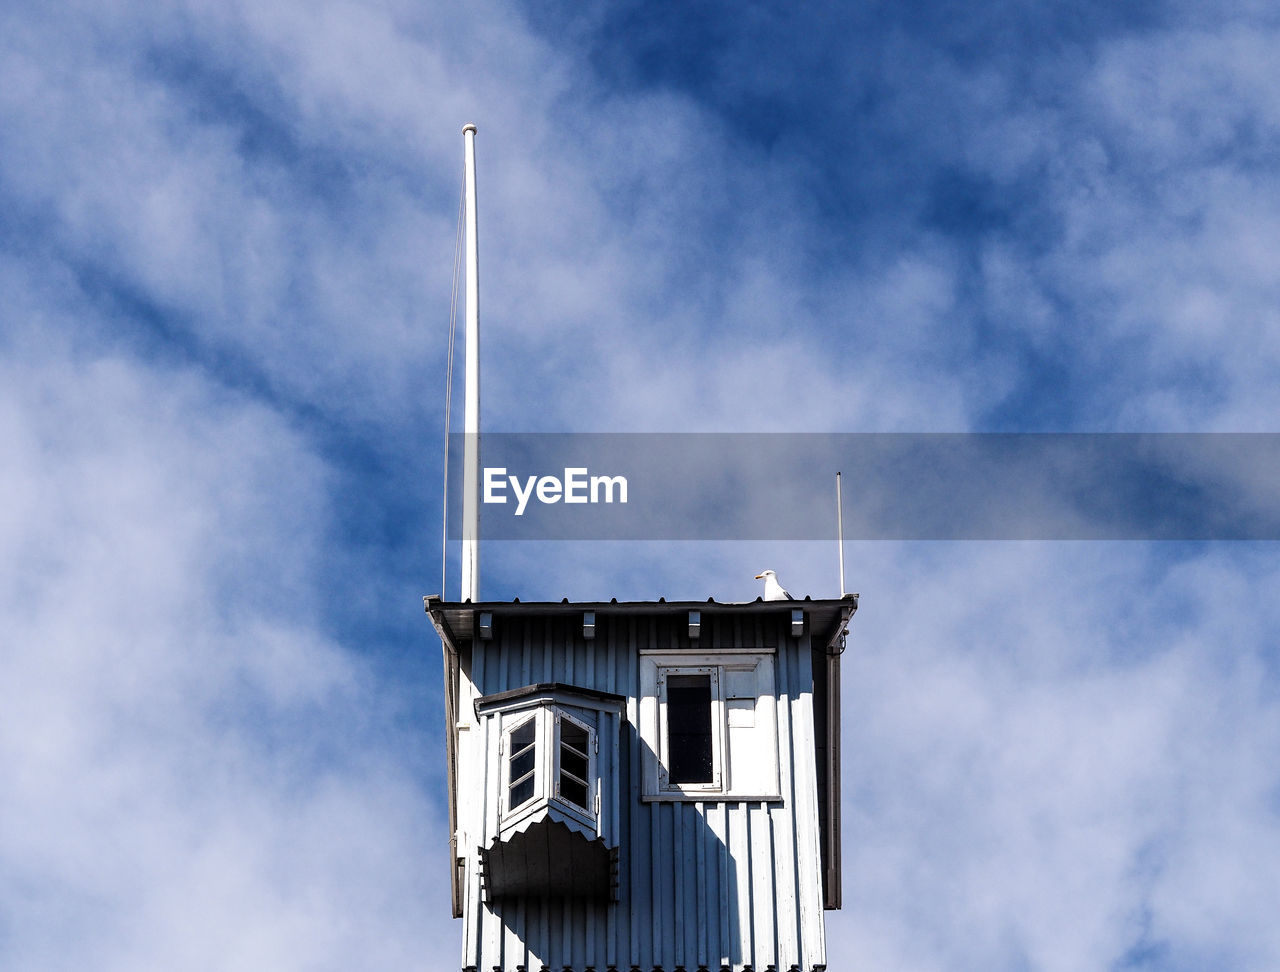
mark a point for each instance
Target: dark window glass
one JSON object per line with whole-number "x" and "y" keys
{"x": 522, "y": 791}
{"x": 574, "y": 791}
{"x": 689, "y": 729}
{"x": 522, "y": 736}
{"x": 520, "y": 768}
{"x": 572, "y": 734}
{"x": 573, "y": 763}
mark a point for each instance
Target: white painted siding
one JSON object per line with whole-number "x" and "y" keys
{"x": 701, "y": 884}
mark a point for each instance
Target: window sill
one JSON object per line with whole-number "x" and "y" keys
{"x": 710, "y": 798}
{"x": 511, "y": 818}
{"x": 572, "y": 809}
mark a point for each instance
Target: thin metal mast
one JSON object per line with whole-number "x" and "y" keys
{"x": 840, "y": 532}
{"x": 471, "y": 406}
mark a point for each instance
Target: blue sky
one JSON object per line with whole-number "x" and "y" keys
{"x": 226, "y": 240}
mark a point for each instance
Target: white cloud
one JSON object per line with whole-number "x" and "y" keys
{"x": 1054, "y": 754}
{"x": 1040, "y": 771}
{"x": 196, "y": 776}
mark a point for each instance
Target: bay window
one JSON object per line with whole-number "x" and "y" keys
{"x": 548, "y": 754}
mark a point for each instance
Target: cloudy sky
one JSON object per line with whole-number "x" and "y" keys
{"x": 226, "y": 246}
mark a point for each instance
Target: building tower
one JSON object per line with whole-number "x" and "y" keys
{"x": 644, "y": 786}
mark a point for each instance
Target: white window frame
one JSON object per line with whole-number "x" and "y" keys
{"x": 655, "y": 666}
{"x": 547, "y": 718}
{"x": 516, "y": 721}
{"x": 591, "y": 812}
{"x": 718, "y": 768}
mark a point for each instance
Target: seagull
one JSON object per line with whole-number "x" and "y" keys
{"x": 773, "y": 591}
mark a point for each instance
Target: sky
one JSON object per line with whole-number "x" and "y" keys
{"x": 227, "y": 237}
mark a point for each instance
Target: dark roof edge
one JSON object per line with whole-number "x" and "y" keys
{"x": 660, "y": 606}
{"x": 837, "y": 611}
{"x": 549, "y": 688}
{"x": 433, "y": 606}
{"x": 624, "y": 967}
{"x": 449, "y": 648}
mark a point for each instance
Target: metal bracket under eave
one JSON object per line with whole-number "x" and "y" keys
{"x": 837, "y": 643}
{"x": 431, "y": 603}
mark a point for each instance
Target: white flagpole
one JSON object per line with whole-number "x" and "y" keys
{"x": 471, "y": 406}
{"x": 840, "y": 532}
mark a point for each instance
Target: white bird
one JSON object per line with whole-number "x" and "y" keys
{"x": 773, "y": 591}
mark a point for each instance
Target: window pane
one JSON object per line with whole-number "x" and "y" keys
{"x": 573, "y": 791}
{"x": 521, "y": 765}
{"x": 522, "y": 792}
{"x": 689, "y": 729}
{"x": 572, "y": 734}
{"x": 522, "y": 736}
{"x": 571, "y": 762}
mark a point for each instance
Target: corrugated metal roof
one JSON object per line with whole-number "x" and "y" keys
{"x": 828, "y": 615}
{"x": 655, "y": 968}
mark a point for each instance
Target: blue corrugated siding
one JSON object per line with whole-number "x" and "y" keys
{"x": 701, "y": 884}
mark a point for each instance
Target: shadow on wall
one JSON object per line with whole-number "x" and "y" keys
{"x": 679, "y": 900}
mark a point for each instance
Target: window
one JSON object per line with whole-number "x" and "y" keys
{"x": 709, "y": 724}
{"x": 522, "y": 764}
{"x": 548, "y": 754}
{"x": 689, "y": 736}
{"x": 689, "y": 720}
{"x": 575, "y": 781}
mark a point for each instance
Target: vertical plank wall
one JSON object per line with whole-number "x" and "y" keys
{"x": 701, "y": 883}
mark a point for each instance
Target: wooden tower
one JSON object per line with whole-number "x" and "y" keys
{"x": 645, "y": 785}
{"x": 636, "y": 786}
